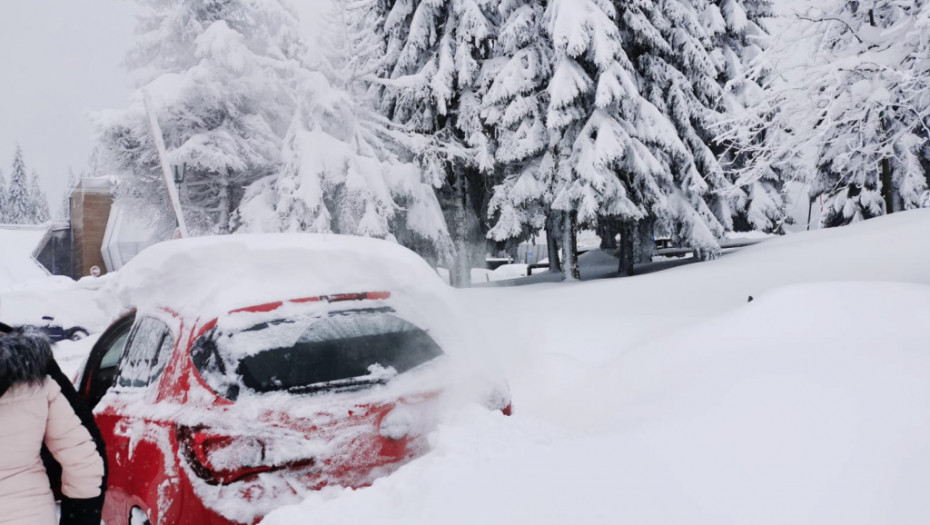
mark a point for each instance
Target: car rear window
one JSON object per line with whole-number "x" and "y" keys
{"x": 341, "y": 350}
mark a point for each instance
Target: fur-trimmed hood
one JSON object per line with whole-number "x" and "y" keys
{"x": 24, "y": 358}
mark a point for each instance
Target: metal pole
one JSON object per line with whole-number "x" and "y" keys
{"x": 165, "y": 168}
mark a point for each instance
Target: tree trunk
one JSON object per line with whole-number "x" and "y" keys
{"x": 224, "y": 206}
{"x": 570, "y": 270}
{"x": 553, "y": 231}
{"x": 626, "y": 251}
{"x": 460, "y": 276}
{"x": 607, "y": 228}
{"x": 887, "y": 192}
{"x": 574, "y": 218}
{"x": 645, "y": 244}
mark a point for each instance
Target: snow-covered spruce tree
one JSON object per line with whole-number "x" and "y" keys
{"x": 21, "y": 208}
{"x": 219, "y": 74}
{"x": 3, "y": 198}
{"x": 853, "y": 122}
{"x": 679, "y": 68}
{"x": 345, "y": 167}
{"x": 515, "y": 108}
{"x": 433, "y": 85}
{"x": 739, "y": 37}
{"x": 602, "y": 126}
{"x": 40, "y": 201}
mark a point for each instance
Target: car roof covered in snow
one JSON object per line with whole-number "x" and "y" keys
{"x": 213, "y": 275}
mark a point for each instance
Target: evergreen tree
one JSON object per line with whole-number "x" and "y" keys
{"x": 635, "y": 95}
{"x": 40, "y": 211}
{"x": 854, "y": 123}
{"x": 515, "y": 108}
{"x": 3, "y": 199}
{"x": 219, "y": 74}
{"x": 433, "y": 85}
{"x": 673, "y": 54}
{"x": 346, "y": 169}
{"x": 20, "y": 205}
{"x": 600, "y": 119}
{"x": 739, "y": 40}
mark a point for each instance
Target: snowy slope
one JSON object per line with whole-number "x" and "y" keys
{"x": 668, "y": 399}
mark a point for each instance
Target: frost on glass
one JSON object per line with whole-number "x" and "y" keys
{"x": 334, "y": 351}
{"x": 149, "y": 348}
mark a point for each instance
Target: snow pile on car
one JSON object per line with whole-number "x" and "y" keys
{"x": 213, "y": 275}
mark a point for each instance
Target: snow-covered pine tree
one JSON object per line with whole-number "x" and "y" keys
{"x": 853, "y": 123}
{"x": 40, "y": 201}
{"x": 433, "y": 83}
{"x": 602, "y": 125}
{"x": 737, "y": 29}
{"x": 3, "y": 198}
{"x": 219, "y": 74}
{"x": 515, "y": 108}
{"x": 20, "y": 205}
{"x": 347, "y": 169}
{"x": 672, "y": 52}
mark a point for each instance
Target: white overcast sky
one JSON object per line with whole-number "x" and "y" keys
{"x": 60, "y": 60}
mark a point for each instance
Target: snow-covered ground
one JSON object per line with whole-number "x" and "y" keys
{"x": 668, "y": 398}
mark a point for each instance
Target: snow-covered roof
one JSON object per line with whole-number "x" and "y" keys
{"x": 96, "y": 185}
{"x": 17, "y": 266}
{"x": 214, "y": 275}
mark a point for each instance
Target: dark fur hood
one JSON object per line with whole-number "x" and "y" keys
{"x": 24, "y": 358}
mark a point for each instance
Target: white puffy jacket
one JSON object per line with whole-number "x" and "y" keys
{"x": 33, "y": 411}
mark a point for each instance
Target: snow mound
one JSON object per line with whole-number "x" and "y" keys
{"x": 821, "y": 420}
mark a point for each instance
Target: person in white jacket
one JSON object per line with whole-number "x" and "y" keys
{"x": 40, "y": 408}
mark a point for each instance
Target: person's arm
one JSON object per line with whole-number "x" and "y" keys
{"x": 74, "y": 440}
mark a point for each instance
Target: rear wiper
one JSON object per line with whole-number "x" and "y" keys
{"x": 339, "y": 385}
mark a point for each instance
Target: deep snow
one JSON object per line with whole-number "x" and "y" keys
{"x": 667, "y": 398}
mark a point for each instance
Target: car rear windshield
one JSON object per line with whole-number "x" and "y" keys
{"x": 342, "y": 350}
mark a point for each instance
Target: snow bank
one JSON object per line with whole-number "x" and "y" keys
{"x": 822, "y": 421}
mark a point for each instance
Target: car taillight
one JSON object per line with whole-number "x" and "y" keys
{"x": 499, "y": 399}
{"x": 220, "y": 459}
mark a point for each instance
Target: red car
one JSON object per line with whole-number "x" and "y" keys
{"x": 218, "y": 404}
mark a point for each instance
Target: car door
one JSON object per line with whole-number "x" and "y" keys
{"x": 134, "y": 436}
{"x": 99, "y": 373}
